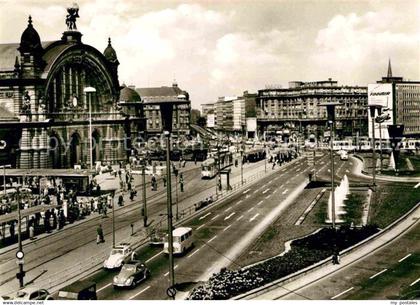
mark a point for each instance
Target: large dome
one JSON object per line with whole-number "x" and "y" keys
{"x": 30, "y": 40}
{"x": 110, "y": 53}
{"x": 129, "y": 95}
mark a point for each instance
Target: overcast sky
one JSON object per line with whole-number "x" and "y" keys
{"x": 222, "y": 48}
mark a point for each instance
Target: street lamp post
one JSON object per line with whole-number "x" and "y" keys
{"x": 372, "y": 109}
{"x": 265, "y": 158}
{"x": 242, "y": 164}
{"x": 90, "y": 90}
{"x": 166, "y": 110}
{"x": 113, "y": 221}
{"x": 331, "y": 119}
{"x": 143, "y": 174}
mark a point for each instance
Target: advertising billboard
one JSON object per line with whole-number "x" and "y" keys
{"x": 381, "y": 94}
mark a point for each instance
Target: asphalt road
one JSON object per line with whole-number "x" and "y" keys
{"x": 390, "y": 272}
{"x": 73, "y": 239}
{"x": 221, "y": 234}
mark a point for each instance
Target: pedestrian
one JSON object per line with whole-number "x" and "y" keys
{"x": 181, "y": 182}
{"x": 153, "y": 183}
{"x": 132, "y": 194}
{"x": 121, "y": 200}
{"x": 31, "y": 232}
{"x": 100, "y": 235}
{"x": 164, "y": 181}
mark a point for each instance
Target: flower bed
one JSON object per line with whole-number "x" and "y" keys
{"x": 304, "y": 252}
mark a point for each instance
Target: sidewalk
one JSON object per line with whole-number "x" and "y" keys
{"x": 85, "y": 259}
{"x": 326, "y": 268}
{"x": 106, "y": 181}
{"x": 358, "y": 171}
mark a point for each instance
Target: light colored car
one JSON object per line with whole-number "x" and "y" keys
{"x": 132, "y": 273}
{"x": 118, "y": 256}
{"x": 31, "y": 293}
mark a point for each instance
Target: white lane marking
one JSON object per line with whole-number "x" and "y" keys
{"x": 247, "y": 196}
{"x": 227, "y": 228}
{"x": 275, "y": 191}
{"x": 230, "y": 215}
{"x": 212, "y": 239}
{"x": 250, "y": 209}
{"x": 340, "y": 294}
{"x": 240, "y": 217}
{"x": 255, "y": 191}
{"x": 201, "y": 226}
{"x": 228, "y": 209}
{"x": 417, "y": 185}
{"x": 270, "y": 181}
{"x": 107, "y": 285}
{"x": 415, "y": 282}
{"x": 266, "y": 197}
{"x": 202, "y": 217}
{"x": 255, "y": 216}
{"x": 194, "y": 253}
{"x": 380, "y": 272}
{"x": 154, "y": 256}
{"x": 176, "y": 266}
{"x": 215, "y": 217}
{"x": 246, "y": 191}
{"x": 285, "y": 191}
{"x": 260, "y": 202}
{"x": 140, "y": 292}
{"x": 240, "y": 201}
{"x": 407, "y": 256}
{"x": 265, "y": 191}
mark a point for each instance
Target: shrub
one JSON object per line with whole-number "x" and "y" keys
{"x": 304, "y": 252}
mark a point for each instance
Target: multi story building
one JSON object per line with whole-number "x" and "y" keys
{"x": 297, "y": 109}
{"x": 230, "y": 114}
{"x": 45, "y": 109}
{"x": 153, "y": 97}
{"x": 404, "y": 102}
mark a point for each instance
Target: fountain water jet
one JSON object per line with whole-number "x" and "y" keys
{"x": 340, "y": 194}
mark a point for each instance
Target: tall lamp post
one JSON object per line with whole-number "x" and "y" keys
{"x": 143, "y": 174}
{"x": 86, "y": 91}
{"x": 166, "y": 110}
{"x": 331, "y": 120}
{"x": 372, "y": 109}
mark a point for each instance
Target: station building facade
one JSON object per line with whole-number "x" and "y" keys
{"x": 44, "y": 120}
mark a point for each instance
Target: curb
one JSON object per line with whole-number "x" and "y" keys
{"x": 327, "y": 261}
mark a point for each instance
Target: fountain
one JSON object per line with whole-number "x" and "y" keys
{"x": 391, "y": 162}
{"x": 340, "y": 195}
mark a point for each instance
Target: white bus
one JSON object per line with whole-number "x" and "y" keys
{"x": 182, "y": 240}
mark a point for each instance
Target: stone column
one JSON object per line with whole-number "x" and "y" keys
{"x": 43, "y": 149}
{"x": 25, "y": 157}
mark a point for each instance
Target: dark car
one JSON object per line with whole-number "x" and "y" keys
{"x": 131, "y": 274}
{"x": 79, "y": 290}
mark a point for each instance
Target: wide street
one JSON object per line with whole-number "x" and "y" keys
{"x": 246, "y": 214}
{"x": 50, "y": 260}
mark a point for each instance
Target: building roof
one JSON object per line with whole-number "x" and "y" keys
{"x": 110, "y": 53}
{"x": 8, "y": 52}
{"x": 157, "y": 92}
{"x": 128, "y": 94}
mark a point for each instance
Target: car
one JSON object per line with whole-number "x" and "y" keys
{"x": 31, "y": 293}
{"x": 118, "y": 256}
{"x": 79, "y": 290}
{"x": 131, "y": 274}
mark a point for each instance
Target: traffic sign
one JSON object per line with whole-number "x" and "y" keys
{"x": 171, "y": 292}
{"x": 20, "y": 255}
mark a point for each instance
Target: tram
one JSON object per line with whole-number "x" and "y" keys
{"x": 210, "y": 166}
